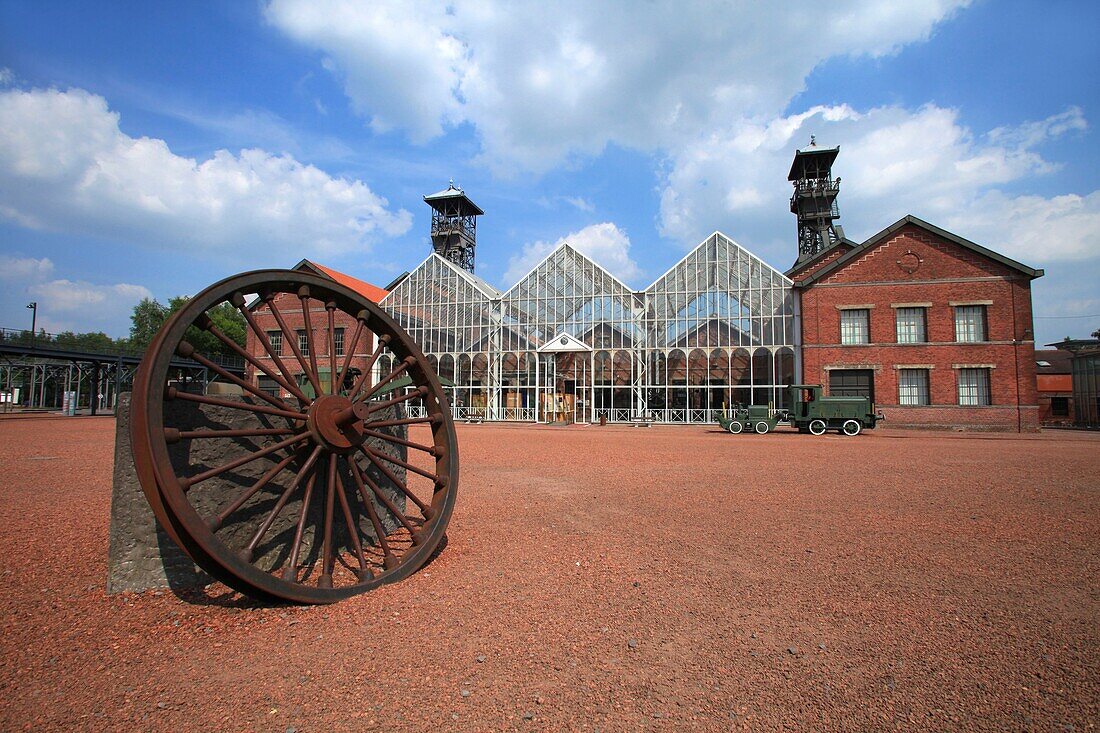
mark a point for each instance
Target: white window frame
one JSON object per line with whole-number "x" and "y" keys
{"x": 275, "y": 338}
{"x": 303, "y": 342}
{"x": 338, "y": 339}
{"x": 970, "y": 324}
{"x": 855, "y": 326}
{"x": 974, "y": 388}
{"x": 911, "y": 325}
{"x": 914, "y": 387}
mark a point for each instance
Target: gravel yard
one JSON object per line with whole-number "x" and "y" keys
{"x": 601, "y": 578}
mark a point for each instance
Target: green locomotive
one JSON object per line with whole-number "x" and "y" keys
{"x": 810, "y": 412}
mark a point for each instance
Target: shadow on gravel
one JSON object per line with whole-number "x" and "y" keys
{"x": 216, "y": 594}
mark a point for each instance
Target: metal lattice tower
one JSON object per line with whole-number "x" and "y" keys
{"x": 454, "y": 225}
{"x": 814, "y": 199}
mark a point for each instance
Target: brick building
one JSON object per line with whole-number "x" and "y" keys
{"x": 1054, "y": 386}
{"x": 290, "y": 307}
{"x": 937, "y": 330}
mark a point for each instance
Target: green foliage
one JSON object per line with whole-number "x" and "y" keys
{"x": 225, "y": 318}
{"x": 148, "y": 316}
{"x": 95, "y": 342}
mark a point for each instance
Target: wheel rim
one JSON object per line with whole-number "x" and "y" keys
{"x": 735, "y": 427}
{"x": 851, "y": 427}
{"x": 817, "y": 427}
{"x": 761, "y": 428}
{"x": 338, "y": 491}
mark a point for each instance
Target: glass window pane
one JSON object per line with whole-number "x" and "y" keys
{"x": 910, "y": 325}
{"x": 913, "y": 387}
{"x": 970, "y": 323}
{"x": 854, "y": 326}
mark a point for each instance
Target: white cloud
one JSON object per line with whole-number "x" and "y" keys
{"x": 24, "y": 269}
{"x": 542, "y": 84}
{"x": 605, "y": 244}
{"x": 7, "y": 77}
{"x": 65, "y": 305}
{"x": 66, "y": 166}
{"x": 893, "y": 162}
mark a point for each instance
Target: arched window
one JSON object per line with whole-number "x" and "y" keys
{"x": 447, "y": 367}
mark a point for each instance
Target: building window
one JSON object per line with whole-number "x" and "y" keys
{"x": 338, "y": 341}
{"x": 911, "y": 326}
{"x": 1059, "y": 406}
{"x": 855, "y": 326}
{"x": 276, "y": 340}
{"x": 969, "y": 323}
{"x": 303, "y": 343}
{"x": 913, "y": 387}
{"x": 974, "y": 387}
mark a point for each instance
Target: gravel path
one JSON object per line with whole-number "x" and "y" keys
{"x": 601, "y": 578}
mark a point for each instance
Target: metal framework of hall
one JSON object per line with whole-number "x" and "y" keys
{"x": 571, "y": 343}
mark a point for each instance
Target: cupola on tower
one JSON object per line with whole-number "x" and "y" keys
{"x": 454, "y": 225}
{"x": 814, "y": 199}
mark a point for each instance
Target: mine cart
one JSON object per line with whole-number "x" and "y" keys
{"x": 334, "y": 467}
{"x": 760, "y": 419}
{"x": 812, "y": 412}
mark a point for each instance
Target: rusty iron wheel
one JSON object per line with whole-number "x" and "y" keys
{"x": 338, "y": 487}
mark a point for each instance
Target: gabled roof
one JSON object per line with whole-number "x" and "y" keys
{"x": 904, "y": 221}
{"x": 703, "y": 243}
{"x": 372, "y": 293}
{"x": 573, "y": 251}
{"x": 842, "y": 242}
{"x": 480, "y": 285}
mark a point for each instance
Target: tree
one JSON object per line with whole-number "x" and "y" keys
{"x": 148, "y": 316}
{"x": 225, "y": 318}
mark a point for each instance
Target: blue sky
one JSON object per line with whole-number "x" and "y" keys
{"x": 152, "y": 149}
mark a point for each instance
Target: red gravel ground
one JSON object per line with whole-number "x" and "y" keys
{"x": 601, "y": 578}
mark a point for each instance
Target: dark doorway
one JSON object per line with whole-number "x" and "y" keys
{"x": 852, "y": 383}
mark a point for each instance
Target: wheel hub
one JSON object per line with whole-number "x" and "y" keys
{"x": 337, "y": 423}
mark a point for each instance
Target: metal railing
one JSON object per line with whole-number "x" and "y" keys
{"x": 87, "y": 344}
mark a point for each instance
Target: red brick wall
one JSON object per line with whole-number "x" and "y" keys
{"x": 810, "y": 268}
{"x": 290, "y": 307}
{"x": 946, "y": 273}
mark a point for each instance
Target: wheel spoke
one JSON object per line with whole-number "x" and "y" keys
{"x": 424, "y": 508}
{"x": 388, "y": 503}
{"x": 400, "y": 369}
{"x": 290, "y": 572}
{"x": 433, "y": 419}
{"x": 429, "y": 449}
{"x": 215, "y": 522}
{"x": 175, "y": 394}
{"x": 173, "y": 435}
{"x": 238, "y": 302}
{"x": 374, "y": 455}
{"x": 188, "y": 482}
{"x": 328, "y": 553}
{"x": 390, "y": 559}
{"x": 291, "y": 339}
{"x": 350, "y": 351}
{"x": 383, "y": 341}
{"x": 303, "y": 296}
{"x": 376, "y": 406}
{"x": 187, "y": 351}
{"x": 331, "y": 308}
{"x": 353, "y": 532}
{"x": 246, "y": 554}
{"x": 207, "y": 325}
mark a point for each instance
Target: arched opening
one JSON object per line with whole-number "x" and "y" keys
{"x": 761, "y": 377}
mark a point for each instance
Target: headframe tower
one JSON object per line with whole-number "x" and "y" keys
{"x": 454, "y": 225}
{"x": 814, "y": 199}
